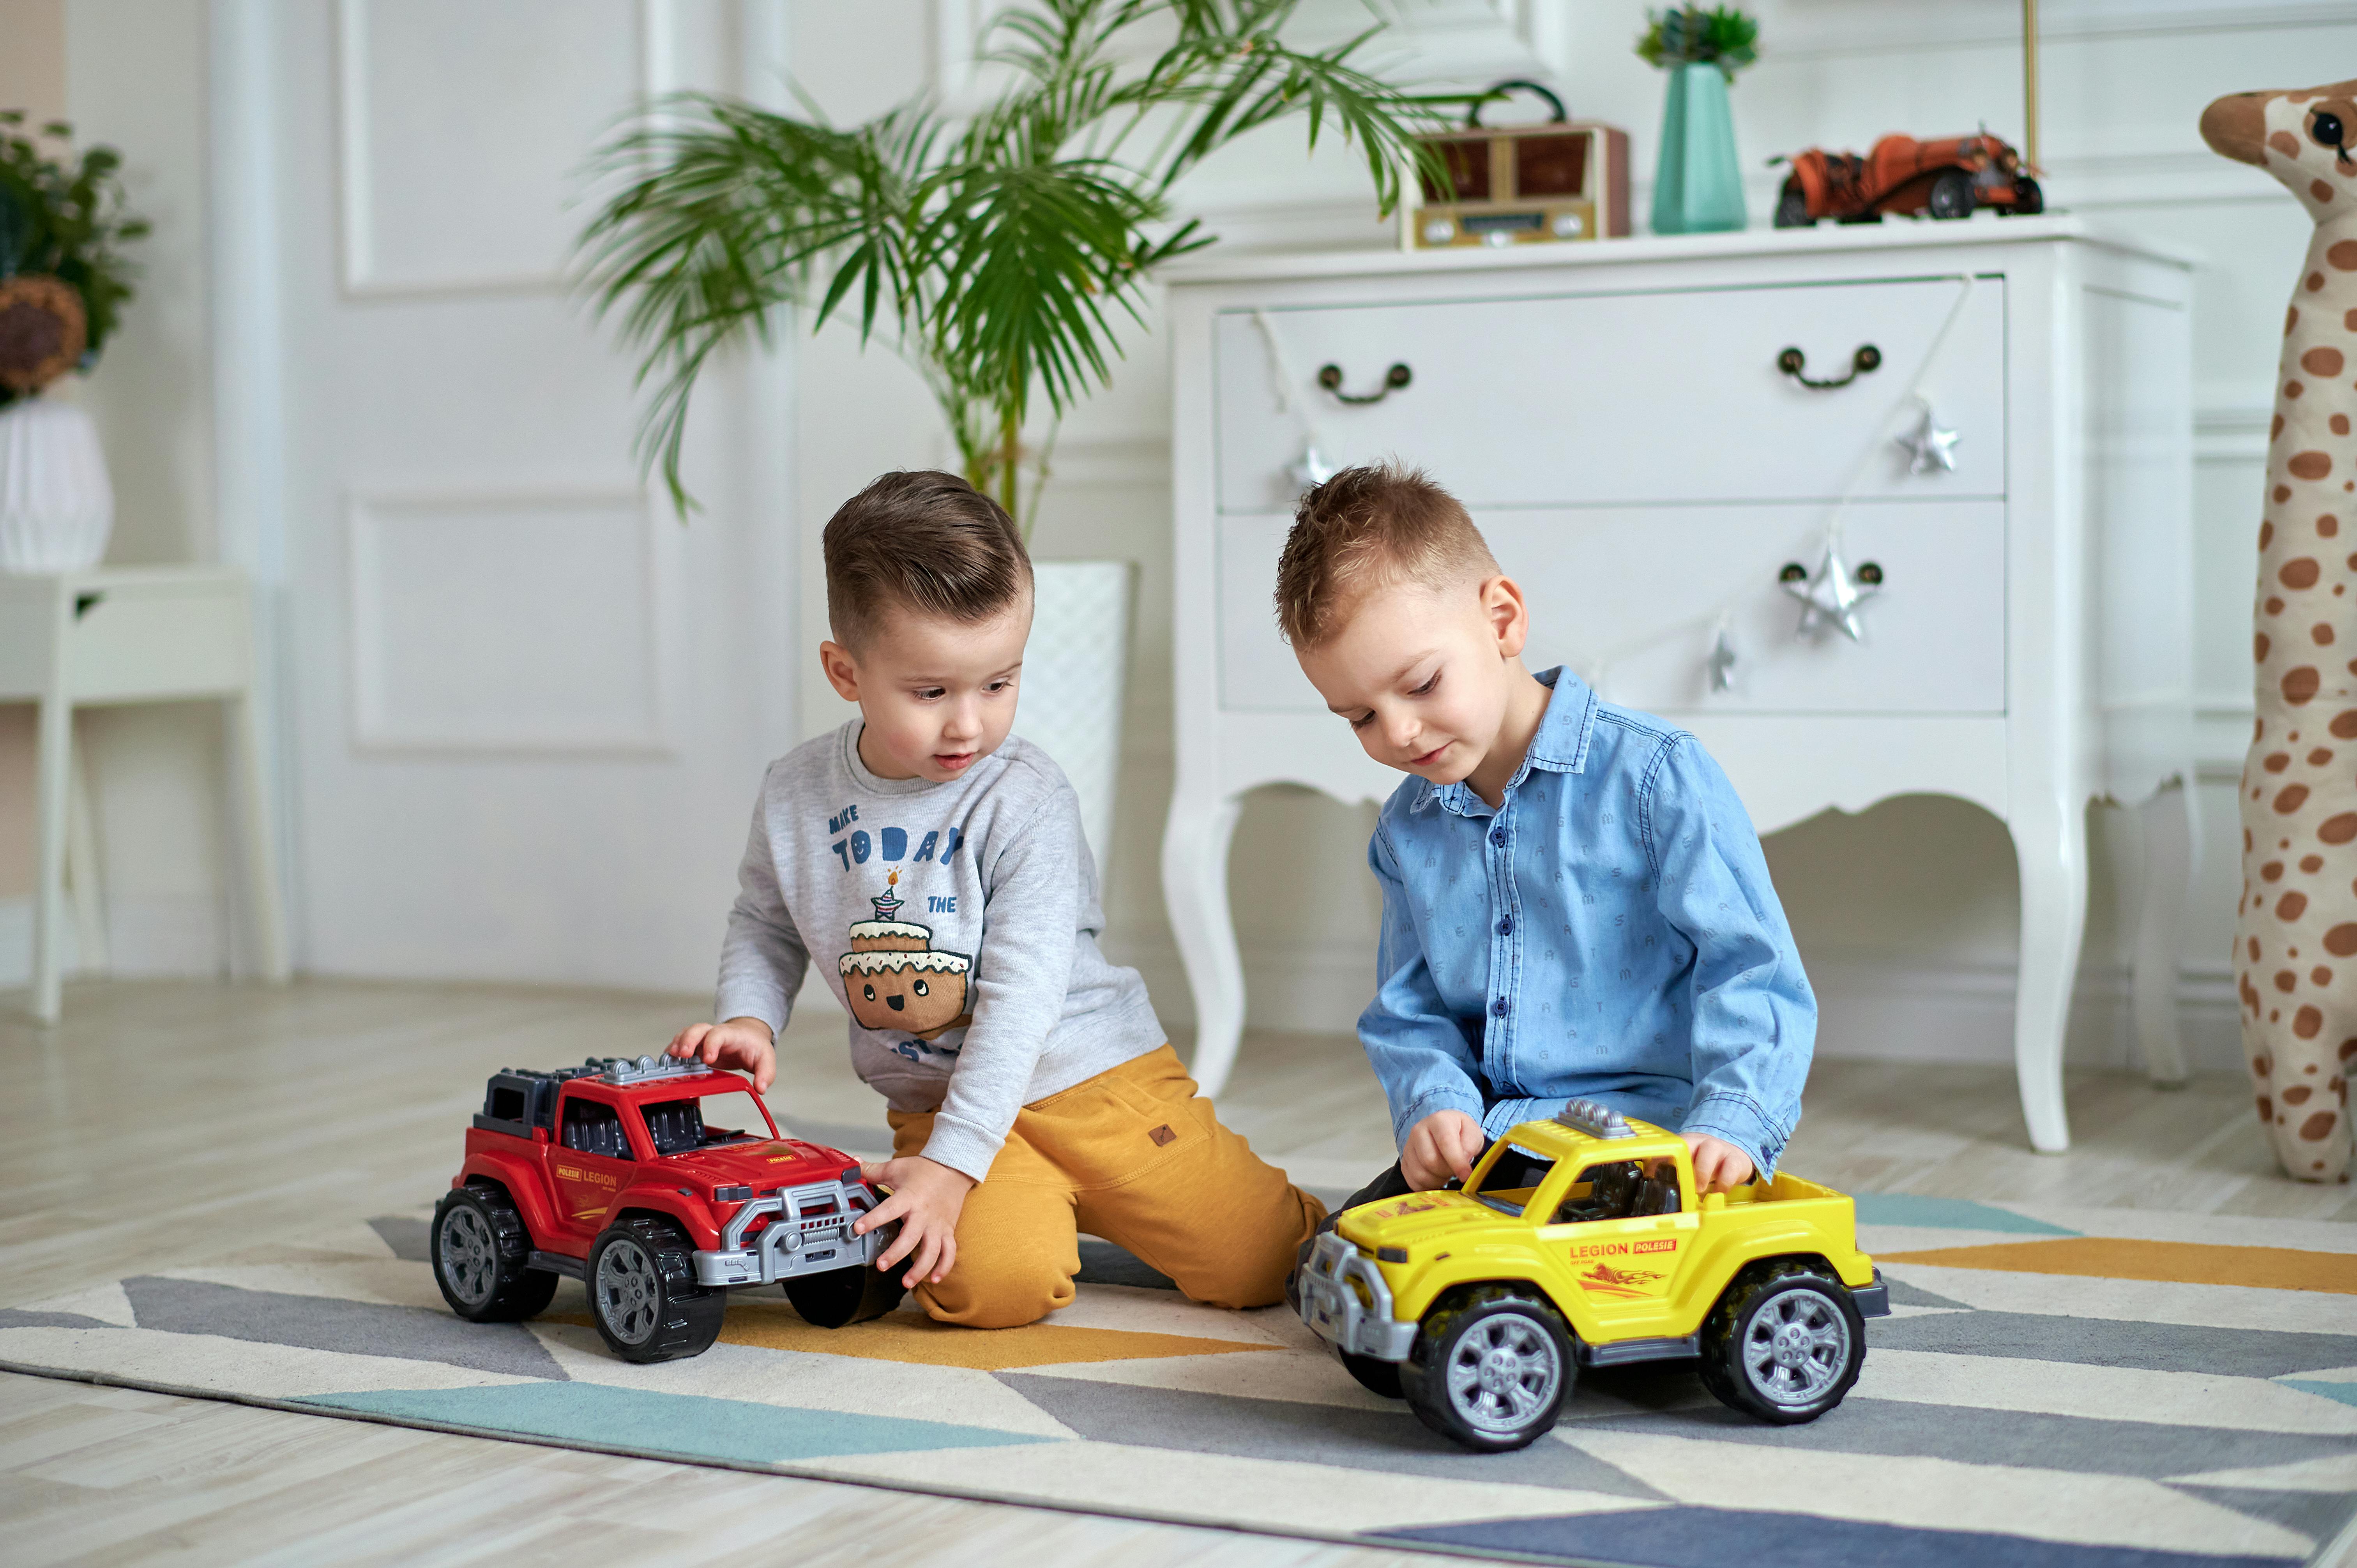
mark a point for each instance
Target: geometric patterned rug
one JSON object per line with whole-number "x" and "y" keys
{"x": 2053, "y": 1389}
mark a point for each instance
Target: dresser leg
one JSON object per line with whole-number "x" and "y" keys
{"x": 51, "y": 787}
{"x": 2172, "y": 859}
{"x": 1195, "y": 890}
{"x": 2050, "y": 844}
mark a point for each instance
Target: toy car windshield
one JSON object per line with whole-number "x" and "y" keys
{"x": 1510, "y": 1180}
{"x": 684, "y": 1126}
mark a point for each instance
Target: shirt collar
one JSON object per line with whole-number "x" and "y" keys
{"x": 1560, "y": 745}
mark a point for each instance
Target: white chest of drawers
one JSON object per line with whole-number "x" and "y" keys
{"x": 1615, "y": 417}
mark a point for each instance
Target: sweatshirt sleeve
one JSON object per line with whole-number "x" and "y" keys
{"x": 1755, "y": 1018}
{"x": 1035, "y": 885}
{"x": 763, "y": 957}
{"x": 1417, "y": 1048}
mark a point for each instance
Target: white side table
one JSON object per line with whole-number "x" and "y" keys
{"x": 134, "y": 635}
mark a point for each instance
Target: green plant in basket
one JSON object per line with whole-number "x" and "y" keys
{"x": 1690, "y": 35}
{"x": 995, "y": 254}
{"x": 62, "y": 283}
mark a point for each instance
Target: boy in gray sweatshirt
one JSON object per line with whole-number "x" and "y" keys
{"x": 935, "y": 867}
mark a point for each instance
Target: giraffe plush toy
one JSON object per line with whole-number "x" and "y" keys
{"x": 2296, "y": 931}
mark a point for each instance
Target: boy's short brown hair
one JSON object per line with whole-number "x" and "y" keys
{"x": 922, "y": 541}
{"x": 1364, "y": 528}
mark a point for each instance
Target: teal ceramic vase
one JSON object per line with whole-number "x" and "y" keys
{"x": 1697, "y": 189}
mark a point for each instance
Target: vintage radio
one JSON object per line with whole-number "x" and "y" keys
{"x": 1522, "y": 184}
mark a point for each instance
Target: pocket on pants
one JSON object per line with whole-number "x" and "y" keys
{"x": 1114, "y": 1129}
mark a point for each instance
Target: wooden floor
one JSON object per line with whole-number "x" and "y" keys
{"x": 165, "y": 1122}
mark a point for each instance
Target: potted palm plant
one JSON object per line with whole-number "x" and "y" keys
{"x": 998, "y": 255}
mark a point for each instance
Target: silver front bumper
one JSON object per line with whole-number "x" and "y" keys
{"x": 1331, "y": 1307}
{"x": 811, "y": 1235}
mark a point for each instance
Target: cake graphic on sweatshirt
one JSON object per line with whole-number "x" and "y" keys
{"x": 895, "y": 978}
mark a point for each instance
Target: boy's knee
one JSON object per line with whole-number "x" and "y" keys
{"x": 1249, "y": 1270}
{"x": 1001, "y": 1287}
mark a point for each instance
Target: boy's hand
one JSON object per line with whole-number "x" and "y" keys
{"x": 740, "y": 1042}
{"x": 926, "y": 1198}
{"x": 1717, "y": 1165}
{"x": 1443, "y": 1145}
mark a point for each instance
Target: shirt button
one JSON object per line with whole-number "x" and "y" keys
{"x": 1498, "y": 1006}
{"x": 1506, "y": 928}
{"x": 1498, "y": 837}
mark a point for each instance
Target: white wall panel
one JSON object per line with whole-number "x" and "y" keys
{"x": 463, "y": 128}
{"x": 504, "y": 623}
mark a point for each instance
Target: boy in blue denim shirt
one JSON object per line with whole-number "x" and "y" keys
{"x": 1575, "y": 902}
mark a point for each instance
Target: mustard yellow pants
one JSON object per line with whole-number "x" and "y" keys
{"x": 1136, "y": 1156}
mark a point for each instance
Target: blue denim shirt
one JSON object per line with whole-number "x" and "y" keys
{"x": 1608, "y": 932}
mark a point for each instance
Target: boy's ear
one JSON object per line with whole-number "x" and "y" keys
{"x": 842, "y": 673}
{"x": 1508, "y": 617}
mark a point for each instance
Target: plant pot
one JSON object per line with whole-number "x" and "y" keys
{"x": 56, "y": 507}
{"x": 1075, "y": 669}
{"x": 1697, "y": 188}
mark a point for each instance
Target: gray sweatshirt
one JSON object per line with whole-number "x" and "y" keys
{"x": 957, "y": 923}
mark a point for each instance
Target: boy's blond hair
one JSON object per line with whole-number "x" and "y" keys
{"x": 1370, "y": 527}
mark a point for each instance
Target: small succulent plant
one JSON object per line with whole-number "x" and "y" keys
{"x": 1689, "y": 35}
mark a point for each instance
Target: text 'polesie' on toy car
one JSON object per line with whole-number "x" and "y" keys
{"x": 1577, "y": 1243}
{"x": 1950, "y": 178}
{"x": 624, "y": 1173}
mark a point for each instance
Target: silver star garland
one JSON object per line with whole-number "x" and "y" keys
{"x": 1832, "y": 597}
{"x": 1723, "y": 661}
{"x": 1311, "y": 469}
{"x": 1930, "y": 449}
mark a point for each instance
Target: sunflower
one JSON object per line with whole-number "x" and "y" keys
{"x": 43, "y": 330}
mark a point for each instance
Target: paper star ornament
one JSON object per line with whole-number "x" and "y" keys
{"x": 1930, "y": 449}
{"x": 1831, "y": 597}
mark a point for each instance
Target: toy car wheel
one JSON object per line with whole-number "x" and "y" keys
{"x": 1950, "y": 195}
{"x": 2029, "y": 198}
{"x": 1793, "y": 209}
{"x": 643, "y": 1296}
{"x": 481, "y": 1249}
{"x": 1783, "y": 1345}
{"x": 844, "y": 1296}
{"x": 1491, "y": 1369}
{"x": 1375, "y": 1377}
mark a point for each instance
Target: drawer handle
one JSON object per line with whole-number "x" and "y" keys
{"x": 1869, "y": 573}
{"x": 1792, "y": 362}
{"x": 1397, "y": 377}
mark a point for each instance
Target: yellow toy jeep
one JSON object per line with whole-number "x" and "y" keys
{"x": 1577, "y": 1243}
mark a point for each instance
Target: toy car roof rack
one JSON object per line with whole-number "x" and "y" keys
{"x": 641, "y": 1069}
{"x": 1594, "y": 1119}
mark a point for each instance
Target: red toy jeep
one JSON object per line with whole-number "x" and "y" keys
{"x": 625, "y": 1174}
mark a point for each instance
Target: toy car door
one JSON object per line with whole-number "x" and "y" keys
{"x": 1621, "y": 1234}
{"x": 591, "y": 1164}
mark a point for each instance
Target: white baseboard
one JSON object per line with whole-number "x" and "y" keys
{"x": 152, "y": 937}
{"x": 1869, "y": 1008}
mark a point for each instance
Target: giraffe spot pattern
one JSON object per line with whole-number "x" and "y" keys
{"x": 2272, "y": 872}
{"x": 2328, "y": 525}
{"x": 2343, "y": 254}
{"x": 2286, "y": 981}
{"x": 2341, "y": 942}
{"x": 2277, "y": 428}
{"x": 2348, "y": 1048}
{"x": 2340, "y": 422}
{"x": 2320, "y": 977}
{"x": 2298, "y": 1093}
{"x": 2267, "y": 1108}
{"x": 2299, "y": 684}
{"x": 2314, "y": 1128}
{"x": 2291, "y": 906}
{"x": 2321, "y": 634}
{"x": 2320, "y": 756}
{"x": 2300, "y": 572}
{"x": 2285, "y": 142}
{"x": 2293, "y": 389}
{"x": 2275, "y": 606}
{"x": 2315, "y": 283}
{"x": 2310, "y": 465}
{"x": 2337, "y": 829}
{"x": 2276, "y": 761}
{"x": 2311, "y": 864}
{"x": 2344, "y": 725}
{"x": 2323, "y": 361}
{"x": 2267, "y": 530}
{"x": 2282, "y": 493}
